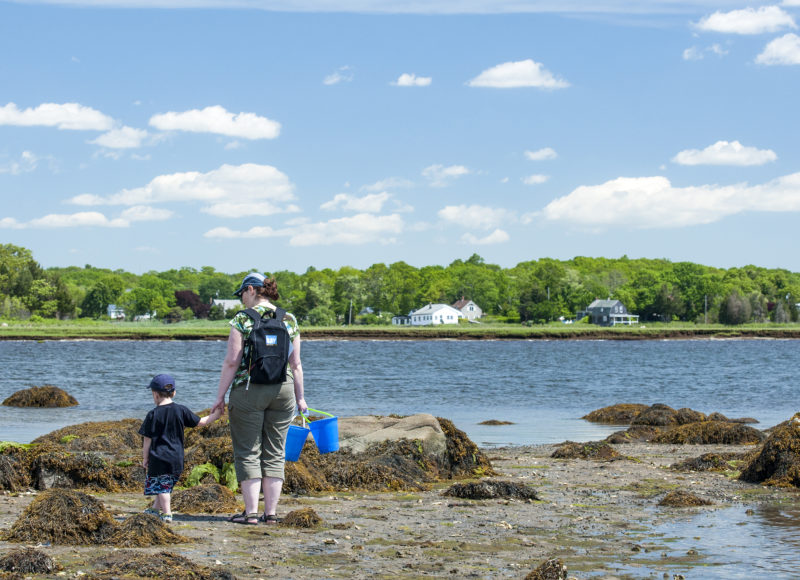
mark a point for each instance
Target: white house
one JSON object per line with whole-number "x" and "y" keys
{"x": 435, "y": 314}
{"x": 227, "y": 304}
{"x": 468, "y": 308}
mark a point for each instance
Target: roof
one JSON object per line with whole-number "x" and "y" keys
{"x": 431, "y": 308}
{"x": 459, "y": 304}
{"x": 603, "y": 304}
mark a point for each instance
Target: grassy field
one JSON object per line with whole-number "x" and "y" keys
{"x": 218, "y": 330}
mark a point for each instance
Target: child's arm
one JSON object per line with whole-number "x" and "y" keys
{"x": 210, "y": 418}
{"x": 146, "y": 451}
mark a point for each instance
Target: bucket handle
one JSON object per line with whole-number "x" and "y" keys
{"x": 320, "y": 412}
{"x": 303, "y": 417}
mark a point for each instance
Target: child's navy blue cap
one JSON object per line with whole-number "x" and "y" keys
{"x": 162, "y": 383}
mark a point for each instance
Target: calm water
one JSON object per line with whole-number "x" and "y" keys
{"x": 543, "y": 387}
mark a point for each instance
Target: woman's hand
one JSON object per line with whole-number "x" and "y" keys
{"x": 301, "y": 406}
{"x": 219, "y": 405}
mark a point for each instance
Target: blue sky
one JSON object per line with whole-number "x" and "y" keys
{"x": 149, "y": 135}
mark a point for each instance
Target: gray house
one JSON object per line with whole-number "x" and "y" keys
{"x": 468, "y": 308}
{"x": 608, "y": 313}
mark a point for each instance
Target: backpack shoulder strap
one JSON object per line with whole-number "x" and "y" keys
{"x": 279, "y": 313}
{"x": 253, "y": 314}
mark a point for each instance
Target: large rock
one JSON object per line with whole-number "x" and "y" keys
{"x": 357, "y": 433}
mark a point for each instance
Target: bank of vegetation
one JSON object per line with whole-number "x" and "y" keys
{"x": 531, "y": 294}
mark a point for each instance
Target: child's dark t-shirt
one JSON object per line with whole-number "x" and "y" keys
{"x": 164, "y": 425}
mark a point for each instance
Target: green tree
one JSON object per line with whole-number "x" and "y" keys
{"x": 105, "y": 291}
{"x": 734, "y": 309}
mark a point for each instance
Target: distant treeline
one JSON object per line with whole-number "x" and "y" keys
{"x": 536, "y": 291}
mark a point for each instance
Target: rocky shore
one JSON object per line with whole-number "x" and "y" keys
{"x": 597, "y": 517}
{"x": 405, "y": 497}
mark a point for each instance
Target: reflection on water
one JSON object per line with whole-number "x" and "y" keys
{"x": 736, "y": 542}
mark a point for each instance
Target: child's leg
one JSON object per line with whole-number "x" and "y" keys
{"x": 165, "y": 499}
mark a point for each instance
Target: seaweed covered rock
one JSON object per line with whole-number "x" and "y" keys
{"x": 302, "y": 518}
{"x": 63, "y": 516}
{"x": 491, "y": 489}
{"x": 144, "y": 530}
{"x": 711, "y": 462}
{"x": 634, "y": 434}
{"x": 29, "y": 561}
{"x": 60, "y": 469}
{"x": 620, "y": 414}
{"x": 118, "y": 440}
{"x": 711, "y": 432}
{"x": 211, "y": 498}
{"x": 681, "y": 498}
{"x": 385, "y": 465}
{"x": 778, "y": 462}
{"x": 462, "y": 457}
{"x": 553, "y": 569}
{"x": 600, "y": 450}
{"x": 13, "y": 473}
{"x": 133, "y": 564}
{"x": 44, "y": 396}
{"x": 658, "y": 415}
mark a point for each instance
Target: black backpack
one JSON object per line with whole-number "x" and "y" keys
{"x": 269, "y": 347}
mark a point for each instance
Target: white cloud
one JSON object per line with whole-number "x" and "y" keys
{"x": 523, "y": 73}
{"x": 359, "y": 229}
{"x": 75, "y": 220}
{"x": 476, "y": 216}
{"x": 536, "y": 179}
{"x": 388, "y": 183}
{"x": 725, "y": 153}
{"x": 783, "y": 50}
{"x": 652, "y": 202}
{"x": 218, "y": 120}
{"x": 343, "y": 74}
{"x": 695, "y": 53}
{"x": 230, "y": 191}
{"x": 145, "y": 213}
{"x": 748, "y": 21}
{"x": 121, "y": 138}
{"x": 441, "y": 176}
{"x": 371, "y": 203}
{"x": 496, "y": 237}
{"x": 27, "y": 163}
{"x": 71, "y": 116}
{"x": 231, "y": 145}
{"x": 412, "y": 80}
{"x": 541, "y": 154}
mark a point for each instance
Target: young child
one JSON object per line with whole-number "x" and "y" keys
{"x": 162, "y": 449}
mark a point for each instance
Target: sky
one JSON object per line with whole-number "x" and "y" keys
{"x": 276, "y": 135}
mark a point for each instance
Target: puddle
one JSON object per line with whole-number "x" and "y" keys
{"x": 732, "y": 543}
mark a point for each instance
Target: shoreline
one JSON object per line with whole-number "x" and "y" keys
{"x": 601, "y": 518}
{"x": 170, "y": 333}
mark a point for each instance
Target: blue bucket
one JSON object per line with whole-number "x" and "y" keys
{"x": 325, "y": 432}
{"x": 295, "y": 439}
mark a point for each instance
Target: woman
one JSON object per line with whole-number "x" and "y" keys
{"x": 259, "y": 414}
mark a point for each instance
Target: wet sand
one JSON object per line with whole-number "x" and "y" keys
{"x": 598, "y": 517}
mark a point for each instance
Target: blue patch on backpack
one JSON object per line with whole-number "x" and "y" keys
{"x": 271, "y": 339}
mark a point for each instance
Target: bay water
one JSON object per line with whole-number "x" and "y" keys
{"x": 542, "y": 387}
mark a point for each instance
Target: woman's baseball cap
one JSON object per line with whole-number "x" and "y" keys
{"x": 162, "y": 383}
{"x": 252, "y": 279}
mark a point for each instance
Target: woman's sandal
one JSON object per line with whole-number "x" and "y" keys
{"x": 271, "y": 519}
{"x": 245, "y": 518}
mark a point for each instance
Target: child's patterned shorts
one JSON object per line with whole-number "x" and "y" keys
{"x": 156, "y": 484}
